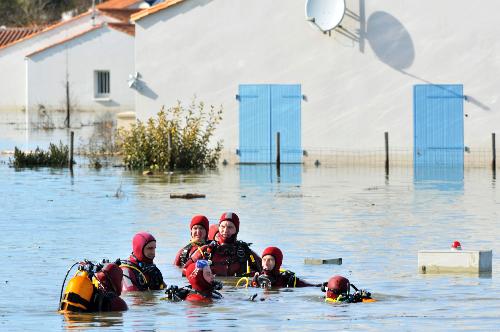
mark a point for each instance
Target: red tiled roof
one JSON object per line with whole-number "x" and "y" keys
{"x": 154, "y": 9}
{"x": 50, "y": 27}
{"x": 10, "y": 35}
{"x": 120, "y": 14}
{"x": 117, "y": 4}
{"x": 123, "y": 27}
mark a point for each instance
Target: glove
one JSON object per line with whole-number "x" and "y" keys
{"x": 217, "y": 285}
{"x": 154, "y": 275}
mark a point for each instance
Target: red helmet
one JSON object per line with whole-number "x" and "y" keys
{"x": 232, "y": 217}
{"x": 456, "y": 245}
{"x": 199, "y": 220}
{"x": 212, "y": 232}
{"x": 337, "y": 285}
{"x": 277, "y": 254}
{"x": 110, "y": 278}
{"x": 141, "y": 240}
{"x": 194, "y": 274}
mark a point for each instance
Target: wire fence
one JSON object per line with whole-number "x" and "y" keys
{"x": 398, "y": 157}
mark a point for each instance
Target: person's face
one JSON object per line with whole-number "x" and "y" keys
{"x": 198, "y": 233}
{"x": 150, "y": 250}
{"x": 207, "y": 274}
{"x": 268, "y": 262}
{"x": 227, "y": 229}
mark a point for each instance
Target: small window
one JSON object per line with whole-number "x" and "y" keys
{"x": 102, "y": 83}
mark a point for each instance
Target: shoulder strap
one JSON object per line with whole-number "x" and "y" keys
{"x": 185, "y": 253}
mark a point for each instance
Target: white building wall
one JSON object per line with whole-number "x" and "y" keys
{"x": 101, "y": 49}
{"x": 12, "y": 63}
{"x": 356, "y": 89}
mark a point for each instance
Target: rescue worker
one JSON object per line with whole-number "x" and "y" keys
{"x": 139, "y": 271}
{"x": 227, "y": 255}
{"x": 94, "y": 290}
{"x": 204, "y": 287}
{"x": 213, "y": 232}
{"x": 272, "y": 275}
{"x": 199, "y": 231}
{"x": 338, "y": 290}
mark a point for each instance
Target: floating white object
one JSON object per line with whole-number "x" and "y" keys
{"x": 326, "y": 14}
{"x": 459, "y": 261}
{"x": 319, "y": 261}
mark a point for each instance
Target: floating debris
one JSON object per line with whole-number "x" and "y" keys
{"x": 187, "y": 196}
{"x": 317, "y": 261}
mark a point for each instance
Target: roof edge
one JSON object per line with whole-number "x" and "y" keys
{"x": 96, "y": 27}
{"x": 50, "y": 27}
{"x": 156, "y": 8}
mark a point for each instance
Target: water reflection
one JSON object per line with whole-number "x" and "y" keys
{"x": 91, "y": 321}
{"x": 439, "y": 178}
{"x": 264, "y": 174}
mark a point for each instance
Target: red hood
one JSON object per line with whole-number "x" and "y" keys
{"x": 195, "y": 277}
{"x": 138, "y": 243}
{"x": 278, "y": 257}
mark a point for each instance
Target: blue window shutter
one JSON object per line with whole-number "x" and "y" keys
{"x": 438, "y": 125}
{"x": 286, "y": 119}
{"x": 254, "y": 123}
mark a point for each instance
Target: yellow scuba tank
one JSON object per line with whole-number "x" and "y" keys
{"x": 78, "y": 294}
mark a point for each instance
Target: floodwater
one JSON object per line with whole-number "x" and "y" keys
{"x": 50, "y": 219}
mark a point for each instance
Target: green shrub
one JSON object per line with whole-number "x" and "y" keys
{"x": 56, "y": 156}
{"x": 178, "y": 138}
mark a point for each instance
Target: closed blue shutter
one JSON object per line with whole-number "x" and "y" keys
{"x": 285, "y": 119}
{"x": 438, "y": 125}
{"x": 255, "y": 123}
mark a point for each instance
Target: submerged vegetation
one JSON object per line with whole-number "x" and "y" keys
{"x": 56, "y": 156}
{"x": 101, "y": 148}
{"x": 178, "y": 138}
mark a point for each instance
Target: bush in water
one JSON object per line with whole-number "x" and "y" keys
{"x": 178, "y": 138}
{"x": 56, "y": 156}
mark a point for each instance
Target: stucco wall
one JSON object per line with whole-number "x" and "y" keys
{"x": 358, "y": 81}
{"x": 13, "y": 66}
{"x": 101, "y": 49}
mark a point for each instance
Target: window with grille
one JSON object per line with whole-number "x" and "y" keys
{"x": 102, "y": 83}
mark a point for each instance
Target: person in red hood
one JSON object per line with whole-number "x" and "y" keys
{"x": 228, "y": 256}
{"x": 272, "y": 276}
{"x": 107, "y": 297}
{"x": 203, "y": 285}
{"x": 199, "y": 231}
{"x": 139, "y": 272}
{"x": 213, "y": 232}
{"x": 337, "y": 289}
{"x": 94, "y": 288}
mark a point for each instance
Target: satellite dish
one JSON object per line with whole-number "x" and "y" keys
{"x": 326, "y": 14}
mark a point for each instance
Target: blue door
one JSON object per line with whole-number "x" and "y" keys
{"x": 265, "y": 110}
{"x": 285, "y": 119}
{"x": 438, "y": 125}
{"x": 255, "y": 123}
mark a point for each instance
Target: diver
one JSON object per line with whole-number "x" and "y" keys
{"x": 213, "y": 233}
{"x": 203, "y": 286}
{"x": 94, "y": 288}
{"x": 227, "y": 255}
{"x": 139, "y": 271}
{"x": 272, "y": 275}
{"x": 199, "y": 231}
{"x": 338, "y": 291}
